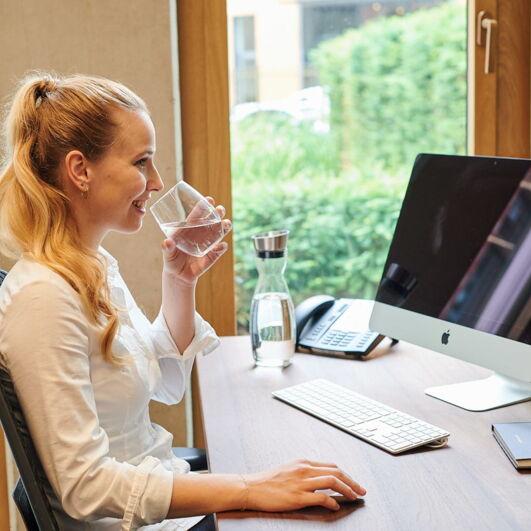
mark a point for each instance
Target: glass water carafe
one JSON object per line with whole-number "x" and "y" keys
{"x": 272, "y": 320}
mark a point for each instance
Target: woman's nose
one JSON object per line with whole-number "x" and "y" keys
{"x": 156, "y": 183}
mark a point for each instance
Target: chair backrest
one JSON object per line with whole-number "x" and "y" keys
{"x": 32, "y": 474}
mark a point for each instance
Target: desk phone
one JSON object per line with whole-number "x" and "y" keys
{"x": 335, "y": 327}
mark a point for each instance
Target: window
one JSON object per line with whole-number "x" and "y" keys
{"x": 329, "y": 158}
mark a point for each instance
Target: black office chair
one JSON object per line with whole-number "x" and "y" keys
{"x": 33, "y": 491}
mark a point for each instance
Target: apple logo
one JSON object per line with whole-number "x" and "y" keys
{"x": 444, "y": 337}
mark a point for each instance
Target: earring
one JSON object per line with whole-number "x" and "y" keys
{"x": 84, "y": 192}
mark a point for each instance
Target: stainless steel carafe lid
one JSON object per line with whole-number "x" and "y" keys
{"x": 271, "y": 244}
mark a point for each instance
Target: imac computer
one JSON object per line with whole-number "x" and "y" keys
{"x": 457, "y": 278}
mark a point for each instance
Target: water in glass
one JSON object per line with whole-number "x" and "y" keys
{"x": 195, "y": 238}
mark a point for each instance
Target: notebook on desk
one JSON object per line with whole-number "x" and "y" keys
{"x": 515, "y": 439}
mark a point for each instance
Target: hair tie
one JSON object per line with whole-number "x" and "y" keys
{"x": 41, "y": 93}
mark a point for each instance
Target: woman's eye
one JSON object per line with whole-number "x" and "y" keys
{"x": 141, "y": 163}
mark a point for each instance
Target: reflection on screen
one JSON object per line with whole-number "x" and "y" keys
{"x": 462, "y": 245}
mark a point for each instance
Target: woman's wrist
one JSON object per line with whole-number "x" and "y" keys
{"x": 207, "y": 493}
{"x": 178, "y": 282}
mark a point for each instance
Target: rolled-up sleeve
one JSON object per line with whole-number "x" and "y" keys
{"x": 176, "y": 367}
{"x": 45, "y": 343}
{"x": 205, "y": 339}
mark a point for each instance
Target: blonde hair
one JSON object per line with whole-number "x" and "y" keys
{"x": 49, "y": 116}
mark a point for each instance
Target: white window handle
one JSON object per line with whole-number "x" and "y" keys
{"x": 485, "y": 24}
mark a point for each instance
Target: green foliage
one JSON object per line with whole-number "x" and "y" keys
{"x": 270, "y": 147}
{"x": 397, "y": 88}
{"x": 339, "y": 234}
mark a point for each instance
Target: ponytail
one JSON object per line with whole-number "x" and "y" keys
{"x": 48, "y": 117}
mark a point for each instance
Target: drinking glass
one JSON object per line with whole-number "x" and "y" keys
{"x": 187, "y": 217}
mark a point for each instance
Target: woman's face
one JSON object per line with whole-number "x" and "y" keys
{"x": 121, "y": 182}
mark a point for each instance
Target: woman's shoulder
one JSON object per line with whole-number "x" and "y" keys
{"x": 28, "y": 274}
{"x": 31, "y": 277}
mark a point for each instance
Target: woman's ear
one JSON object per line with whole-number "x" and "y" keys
{"x": 76, "y": 170}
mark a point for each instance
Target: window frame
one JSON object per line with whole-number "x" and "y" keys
{"x": 499, "y": 108}
{"x": 204, "y": 95}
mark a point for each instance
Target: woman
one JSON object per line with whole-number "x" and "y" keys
{"x": 84, "y": 359}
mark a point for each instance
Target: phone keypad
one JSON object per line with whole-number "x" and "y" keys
{"x": 316, "y": 331}
{"x": 353, "y": 340}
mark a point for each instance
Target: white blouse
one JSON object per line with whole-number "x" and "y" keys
{"x": 108, "y": 464}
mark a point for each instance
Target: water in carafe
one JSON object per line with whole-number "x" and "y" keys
{"x": 273, "y": 341}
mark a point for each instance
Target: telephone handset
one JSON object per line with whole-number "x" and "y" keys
{"x": 335, "y": 327}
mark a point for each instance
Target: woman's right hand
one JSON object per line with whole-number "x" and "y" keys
{"x": 293, "y": 486}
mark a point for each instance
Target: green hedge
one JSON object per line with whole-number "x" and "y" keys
{"x": 339, "y": 234}
{"x": 398, "y": 87}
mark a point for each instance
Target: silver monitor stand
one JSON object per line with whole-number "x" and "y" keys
{"x": 481, "y": 395}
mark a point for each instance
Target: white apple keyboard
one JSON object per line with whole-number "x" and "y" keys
{"x": 362, "y": 417}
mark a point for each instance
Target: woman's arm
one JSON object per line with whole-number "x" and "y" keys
{"x": 179, "y": 278}
{"x": 44, "y": 337}
{"x": 287, "y": 488}
{"x": 178, "y": 308}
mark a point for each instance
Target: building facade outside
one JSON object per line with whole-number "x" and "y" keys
{"x": 270, "y": 40}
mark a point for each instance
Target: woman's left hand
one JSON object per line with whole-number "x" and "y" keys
{"x": 187, "y": 268}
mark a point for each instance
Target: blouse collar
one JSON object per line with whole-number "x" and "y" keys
{"x": 112, "y": 263}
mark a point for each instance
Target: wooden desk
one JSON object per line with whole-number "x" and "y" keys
{"x": 468, "y": 485}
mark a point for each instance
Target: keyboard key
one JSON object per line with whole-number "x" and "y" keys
{"x": 398, "y": 446}
{"x": 382, "y": 439}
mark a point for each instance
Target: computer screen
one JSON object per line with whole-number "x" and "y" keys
{"x": 457, "y": 278}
